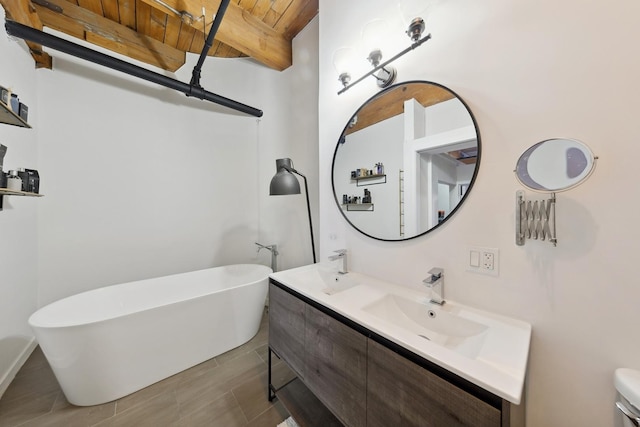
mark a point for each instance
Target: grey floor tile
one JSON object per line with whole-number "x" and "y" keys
{"x": 252, "y": 395}
{"x": 68, "y": 415}
{"x": 37, "y": 382}
{"x": 134, "y": 399}
{"x": 161, "y": 410}
{"x": 271, "y": 417}
{"x": 196, "y": 392}
{"x": 259, "y": 340}
{"x": 223, "y": 412}
{"x": 37, "y": 360}
{"x": 18, "y": 411}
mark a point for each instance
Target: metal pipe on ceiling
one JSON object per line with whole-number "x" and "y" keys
{"x": 27, "y": 33}
{"x": 195, "y": 77}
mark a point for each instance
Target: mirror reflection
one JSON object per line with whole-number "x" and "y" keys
{"x": 405, "y": 161}
{"x": 554, "y": 165}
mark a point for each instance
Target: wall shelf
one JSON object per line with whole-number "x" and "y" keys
{"x": 365, "y": 207}
{"x": 370, "y": 179}
{"x": 7, "y": 192}
{"x": 9, "y": 117}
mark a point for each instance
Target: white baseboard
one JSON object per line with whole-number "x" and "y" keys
{"x": 14, "y": 353}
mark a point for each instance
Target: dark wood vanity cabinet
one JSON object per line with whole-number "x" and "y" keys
{"x": 362, "y": 379}
{"x": 401, "y": 393}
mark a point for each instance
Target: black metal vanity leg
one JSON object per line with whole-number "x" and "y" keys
{"x": 270, "y": 386}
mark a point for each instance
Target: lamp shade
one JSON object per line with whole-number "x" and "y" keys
{"x": 411, "y": 9}
{"x": 284, "y": 182}
{"x": 343, "y": 60}
{"x": 374, "y": 36}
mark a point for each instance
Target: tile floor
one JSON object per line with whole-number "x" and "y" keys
{"x": 228, "y": 391}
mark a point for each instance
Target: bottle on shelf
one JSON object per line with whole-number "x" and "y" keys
{"x": 14, "y": 182}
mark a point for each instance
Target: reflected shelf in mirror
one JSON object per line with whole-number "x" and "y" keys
{"x": 361, "y": 181}
{"x": 360, "y": 207}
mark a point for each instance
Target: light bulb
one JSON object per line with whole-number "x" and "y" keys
{"x": 374, "y": 35}
{"x": 343, "y": 63}
{"x": 413, "y": 13}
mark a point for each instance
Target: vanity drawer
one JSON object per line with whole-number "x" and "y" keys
{"x": 336, "y": 367}
{"x": 400, "y": 392}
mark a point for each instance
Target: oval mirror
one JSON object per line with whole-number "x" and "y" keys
{"x": 554, "y": 165}
{"x": 405, "y": 161}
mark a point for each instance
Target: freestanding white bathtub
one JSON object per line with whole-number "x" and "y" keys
{"x": 109, "y": 342}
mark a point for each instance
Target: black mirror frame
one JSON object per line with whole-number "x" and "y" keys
{"x": 464, "y": 197}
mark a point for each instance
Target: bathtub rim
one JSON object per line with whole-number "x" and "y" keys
{"x": 33, "y": 325}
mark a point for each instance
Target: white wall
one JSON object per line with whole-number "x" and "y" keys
{"x": 528, "y": 71}
{"x": 284, "y": 219}
{"x": 18, "y": 219}
{"x": 141, "y": 181}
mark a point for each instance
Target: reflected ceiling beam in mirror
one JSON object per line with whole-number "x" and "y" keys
{"x": 467, "y": 156}
{"x": 391, "y": 104}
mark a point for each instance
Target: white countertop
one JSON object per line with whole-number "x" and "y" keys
{"x": 494, "y": 358}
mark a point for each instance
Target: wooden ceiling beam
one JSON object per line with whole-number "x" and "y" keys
{"x": 23, "y": 12}
{"x": 296, "y": 17}
{"x": 239, "y": 29}
{"x": 79, "y": 22}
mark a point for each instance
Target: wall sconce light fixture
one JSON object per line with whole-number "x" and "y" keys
{"x": 373, "y": 36}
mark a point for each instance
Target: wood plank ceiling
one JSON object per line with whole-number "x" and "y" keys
{"x": 160, "y": 32}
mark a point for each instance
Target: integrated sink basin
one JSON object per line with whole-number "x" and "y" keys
{"x": 324, "y": 279}
{"x": 444, "y": 325}
{"x": 488, "y": 349}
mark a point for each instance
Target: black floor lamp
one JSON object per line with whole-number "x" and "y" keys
{"x": 284, "y": 183}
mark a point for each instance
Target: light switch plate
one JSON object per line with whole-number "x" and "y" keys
{"x": 474, "y": 258}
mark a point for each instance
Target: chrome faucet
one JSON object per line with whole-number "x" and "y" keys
{"x": 274, "y": 254}
{"x": 342, "y": 253}
{"x": 435, "y": 282}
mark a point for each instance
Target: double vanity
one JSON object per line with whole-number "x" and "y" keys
{"x": 371, "y": 353}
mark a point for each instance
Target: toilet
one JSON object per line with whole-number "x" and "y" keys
{"x": 627, "y": 382}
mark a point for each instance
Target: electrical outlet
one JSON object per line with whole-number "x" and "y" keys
{"x": 487, "y": 260}
{"x": 483, "y": 260}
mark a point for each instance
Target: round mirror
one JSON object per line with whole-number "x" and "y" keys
{"x": 405, "y": 161}
{"x": 555, "y": 165}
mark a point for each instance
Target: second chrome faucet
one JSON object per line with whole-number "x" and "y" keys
{"x": 342, "y": 254}
{"x": 435, "y": 282}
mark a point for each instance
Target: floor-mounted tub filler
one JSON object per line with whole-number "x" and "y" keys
{"x": 110, "y": 342}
